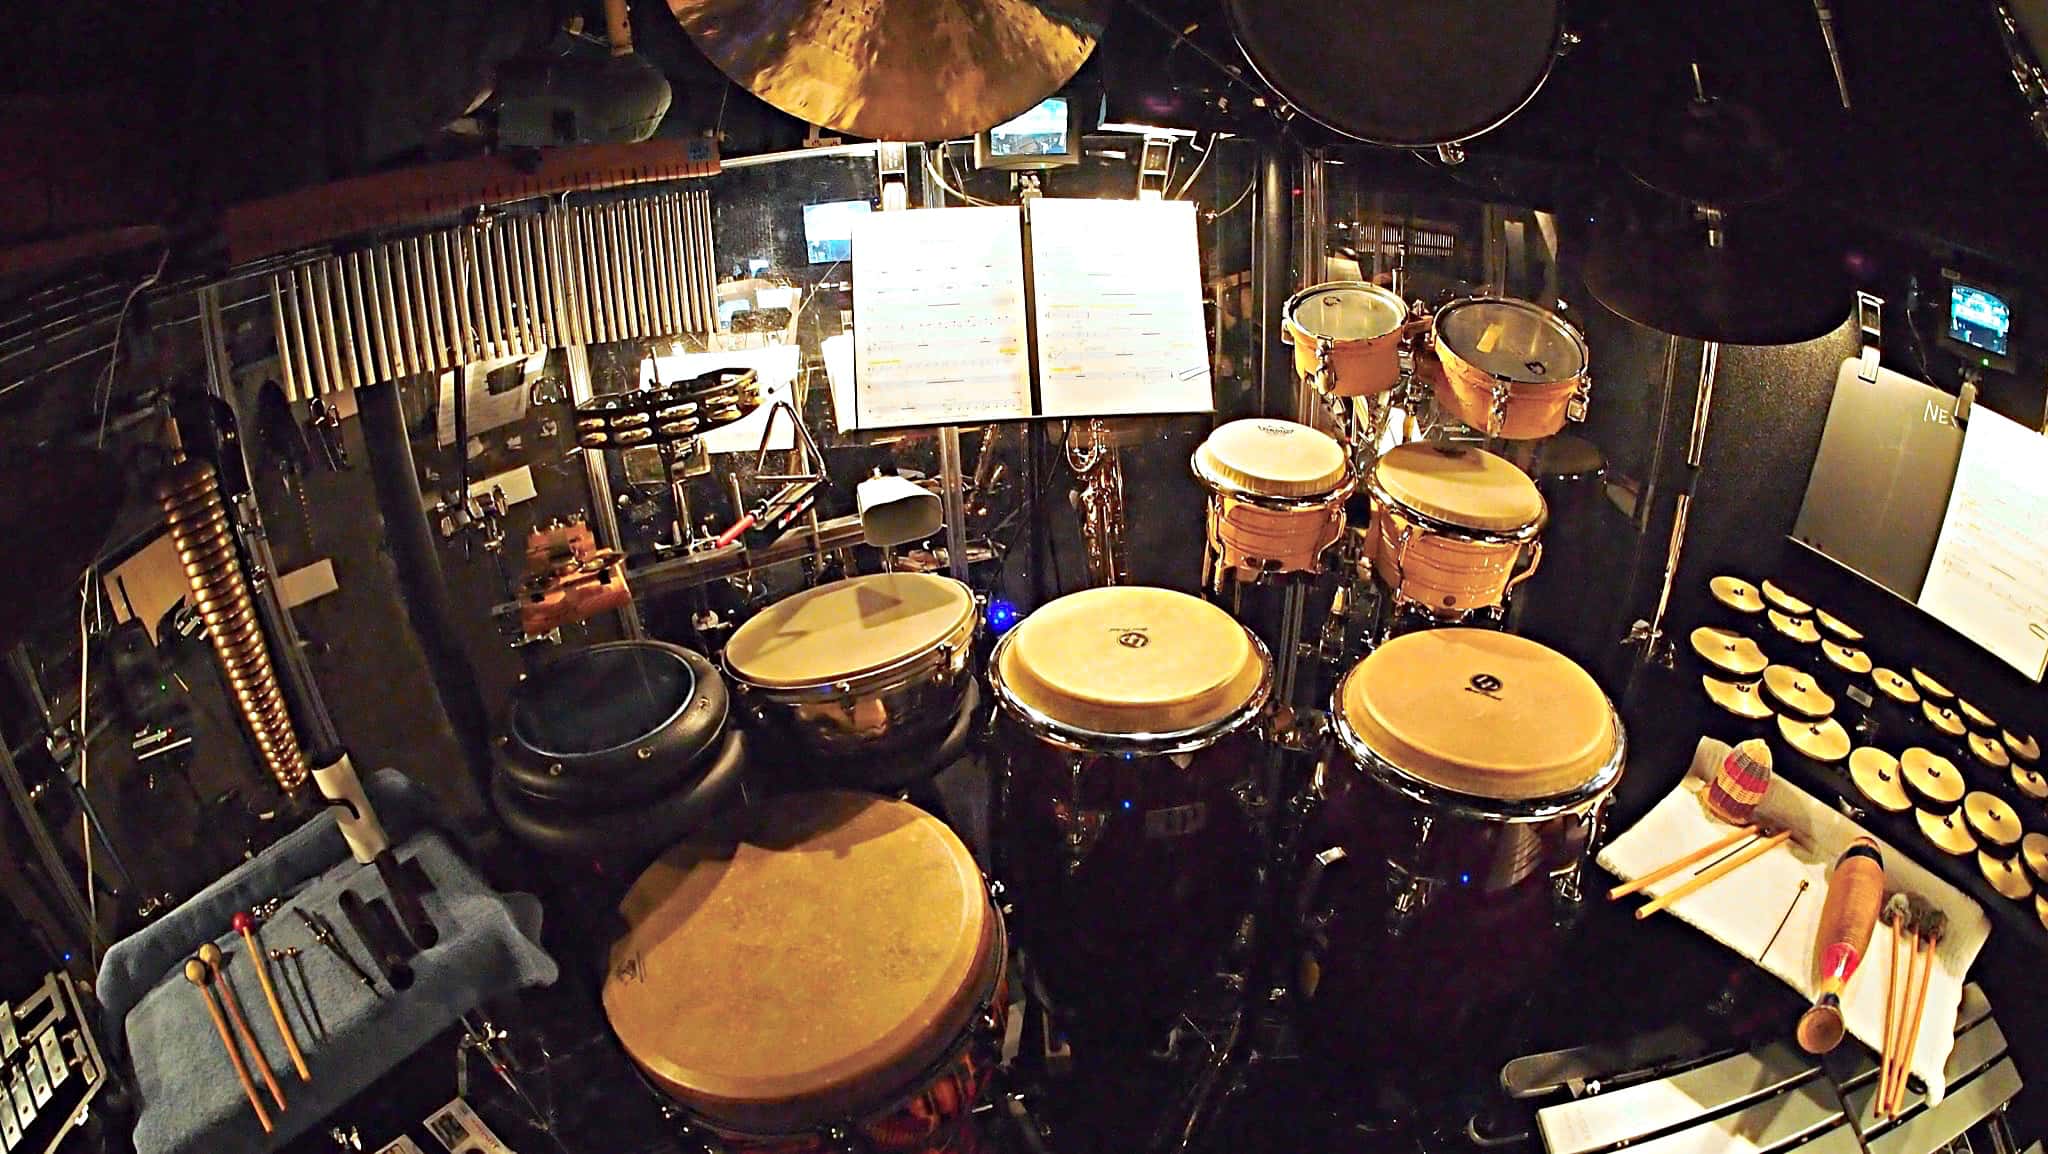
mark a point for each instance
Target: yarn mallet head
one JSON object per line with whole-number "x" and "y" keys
{"x": 1741, "y": 782}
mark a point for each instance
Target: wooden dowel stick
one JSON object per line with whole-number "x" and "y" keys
{"x": 284, "y": 1027}
{"x": 1889, "y": 1054}
{"x": 211, "y": 955}
{"x": 1911, "y": 1032}
{"x": 195, "y": 972}
{"x": 1665, "y": 871}
{"x": 1755, "y": 851}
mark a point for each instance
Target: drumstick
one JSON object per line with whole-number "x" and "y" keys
{"x": 1755, "y": 850}
{"x": 1896, "y": 910}
{"x": 210, "y": 955}
{"x": 197, "y": 974}
{"x": 1930, "y": 938}
{"x": 247, "y": 926}
{"x": 1855, "y": 894}
{"x": 1666, "y": 870}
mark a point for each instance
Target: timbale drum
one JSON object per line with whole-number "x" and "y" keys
{"x": 1449, "y": 525}
{"x": 1473, "y": 771}
{"x": 1125, "y": 836}
{"x": 1276, "y": 498}
{"x": 1510, "y": 368}
{"x": 834, "y": 981}
{"x": 1346, "y": 337}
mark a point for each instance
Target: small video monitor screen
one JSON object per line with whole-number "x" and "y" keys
{"x": 1979, "y": 318}
{"x": 828, "y": 229}
{"x": 1039, "y": 132}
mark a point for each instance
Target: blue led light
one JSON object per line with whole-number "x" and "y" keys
{"x": 1464, "y": 879}
{"x": 1000, "y": 616}
{"x": 1127, "y": 803}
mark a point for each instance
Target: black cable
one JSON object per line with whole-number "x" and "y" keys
{"x": 1017, "y": 520}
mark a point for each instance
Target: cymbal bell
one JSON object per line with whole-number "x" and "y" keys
{"x": 1764, "y": 284}
{"x": 56, "y": 506}
{"x": 897, "y": 69}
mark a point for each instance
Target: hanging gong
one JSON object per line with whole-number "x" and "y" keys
{"x": 897, "y": 69}
{"x": 1764, "y": 284}
{"x": 1403, "y": 73}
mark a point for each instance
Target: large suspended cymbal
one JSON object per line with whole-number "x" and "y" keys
{"x": 897, "y": 69}
{"x": 1764, "y": 285}
{"x": 56, "y": 506}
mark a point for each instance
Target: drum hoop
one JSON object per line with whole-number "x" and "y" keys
{"x": 695, "y": 698}
{"x": 1306, "y": 503}
{"x": 1522, "y": 536}
{"x": 1370, "y": 289}
{"x": 1463, "y": 804}
{"x": 1557, "y": 383}
{"x": 950, "y": 652}
{"x": 1052, "y": 731}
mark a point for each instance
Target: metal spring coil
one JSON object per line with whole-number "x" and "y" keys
{"x": 189, "y": 491}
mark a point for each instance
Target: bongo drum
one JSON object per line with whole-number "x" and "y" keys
{"x": 868, "y": 665}
{"x": 1346, "y": 337}
{"x": 1511, "y": 369}
{"x": 1276, "y": 497}
{"x": 1875, "y": 774}
{"x": 1477, "y": 768}
{"x": 834, "y": 981}
{"x": 1449, "y": 524}
{"x": 1737, "y": 605}
{"x": 1129, "y": 725}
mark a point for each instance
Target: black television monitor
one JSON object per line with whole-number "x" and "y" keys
{"x": 828, "y": 229}
{"x": 1047, "y": 136}
{"x": 1979, "y": 327}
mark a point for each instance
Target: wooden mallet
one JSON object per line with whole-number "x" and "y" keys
{"x": 1898, "y": 914}
{"x": 210, "y": 954}
{"x": 246, "y": 926}
{"x": 197, "y": 974}
{"x": 1931, "y": 930}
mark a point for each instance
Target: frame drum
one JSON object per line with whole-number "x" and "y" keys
{"x": 870, "y": 664}
{"x": 1511, "y": 369}
{"x": 1346, "y": 337}
{"x": 1452, "y": 838}
{"x": 838, "y": 974}
{"x": 1124, "y": 835}
{"x": 1449, "y": 524}
{"x": 1276, "y": 496}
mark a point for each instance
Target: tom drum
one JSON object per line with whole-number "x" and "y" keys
{"x": 1346, "y": 337}
{"x": 1511, "y": 369}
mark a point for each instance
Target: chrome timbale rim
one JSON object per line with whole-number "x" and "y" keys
{"x": 1563, "y": 327}
{"x": 1520, "y": 536}
{"x": 1384, "y": 295}
{"x": 1494, "y": 809}
{"x": 1053, "y": 731}
{"x": 1306, "y": 503}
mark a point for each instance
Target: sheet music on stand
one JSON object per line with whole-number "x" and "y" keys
{"x": 1989, "y": 576}
{"x": 1117, "y": 288}
{"x": 940, "y": 334}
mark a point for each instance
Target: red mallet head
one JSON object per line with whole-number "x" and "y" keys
{"x": 242, "y": 922}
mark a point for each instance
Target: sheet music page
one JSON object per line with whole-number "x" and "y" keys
{"x": 939, "y": 322}
{"x": 1119, "y": 308}
{"x": 1989, "y": 578}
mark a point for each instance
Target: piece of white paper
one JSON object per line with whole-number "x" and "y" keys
{"x": 1118, "y": 292}
{"x": 1989, "y": 576}
{"x": 838, "y": 356}
{"x": 940, "y": 326}
{"x": 485, "y": 410}
{"x": 775, "y": 366}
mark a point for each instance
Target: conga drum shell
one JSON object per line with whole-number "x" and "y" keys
{"x": 1949, "y": 834}
{"x": 1837, "y": 628}
{"x": 1994, "y": 822}
{"x": 1728, "y": 653}
{"x": 1511, "y": 369}
{"x": 2006, "y": 875}
{"x": 1876, "y": 776}
{"x": 810, "y": 974}
{"x": 1792, "y": 691}
{"x": 1277, "y": 492}
{"x": 868, "y": 664}
{"x": 2034, "y": 853}
{"x": 1786, "y": 602}
{"x": 1346, "y": 337}
{"x": 1932, "y": 780}
{"x": 1449, "y": 524}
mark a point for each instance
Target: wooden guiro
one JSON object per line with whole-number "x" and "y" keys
{"x": 1847, "y": 919}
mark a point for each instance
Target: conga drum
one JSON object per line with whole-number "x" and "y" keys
{"x": 868, "y": 666}
{"x": 1449, "y": 525}
{"x": 1125, "y": 841}
{"x": 1446, "y": 851}
{"x": 1276, "y": 497}
{"x": 1346, "y": 337}
{"x": 1511, "y": 369}
{"x": 835, "y": 981}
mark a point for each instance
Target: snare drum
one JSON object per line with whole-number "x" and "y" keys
{"x": 1276, "y": 497}
{"x": 835, "y": 981}
{"x": 1449, "y": 524}
{"x": 1511, "y": 369}
{"x": 1346, "y": 337}
{"x": 1450, "y": 837}
{"x": 1125, "y": 839}
{"x": 868, "y": 665}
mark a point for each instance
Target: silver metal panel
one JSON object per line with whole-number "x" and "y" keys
{"x": 1965, "y": 1106}
{"x": 1975, "y": 1049}
{"x": 1606, "y": 1120}
{"x": 1971, "y": 1011}
{"x": 281, "y": 337}
{"x": 1766, "y": 1126}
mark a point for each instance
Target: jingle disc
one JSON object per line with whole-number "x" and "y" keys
{"x": 1932, "y": 689}
{"x": 1931, "y": 779}
{"x": 1989, "y": 752}
{"x": 1728, "y": 651}
{"x": 1273, "y": 458}
{"x": 1824, "y": 741}
{"x": 1785, "y": 602}
{"x": 1844, "y": 658}
{"x": 1994, "y": 822}
{"x": 2024, "y": 748}
{"x": 1127, "y": 659}
{"x": 1737, "y": 697}
{"x": 848, "y": 629}
{"x": 1944, "y": 719}
{"x": 2041, "y": 910}
{"x": 1464, "y": 486}
{"x": 1876, "y": 774}
{"x": 2030, "y": 783}
{"x": 2005, "y": 876}
{"x": 808, "y": 971}
{"x": 2034, "y": 853}
{"x": 1949, "y": 834}
{"x": 1976, "y": 718}
{"x": 1799, "y": 629}
{"x": 1794, "y": 692}
{"x": 1894, "y": 686}
{"x": 1485, "y": 714}
{"x": 1736, "y": 594}
{"x": 1837, "y": 628}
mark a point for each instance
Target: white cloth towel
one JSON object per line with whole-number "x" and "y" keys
{"x": 1741, "y": 909}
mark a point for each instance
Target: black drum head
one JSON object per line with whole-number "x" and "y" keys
{"x": 1403, "y": 73}
{"x": 600, "y": 699}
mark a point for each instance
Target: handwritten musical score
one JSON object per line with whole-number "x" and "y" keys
{"x": 1989, "y": 576}
{"x": 939, "y": 335}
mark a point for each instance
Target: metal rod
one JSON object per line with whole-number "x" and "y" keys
{"x": 373, "y": 359}
{"x": 680, "y": 268}
{"x": 950, "y": 500}
{"x": 284, "y": 350}
{"x": 712, "y": 564}
{"x": 615, "y": 269}
{"x": 323, "y": 304}
{"x": 664, "y": 265}
{"x": 633, "y": 223}
{"x": 392, "y": 256}
{"x": 706, "y": 249}
{"x": 46, "y": 848}
{"x": 1703, "y": 403}
{"x": 527, "y": 232}
{"x": 390, "y": 304}
{"x": 604, "y": 520}
{"x": 295, "y": 317}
